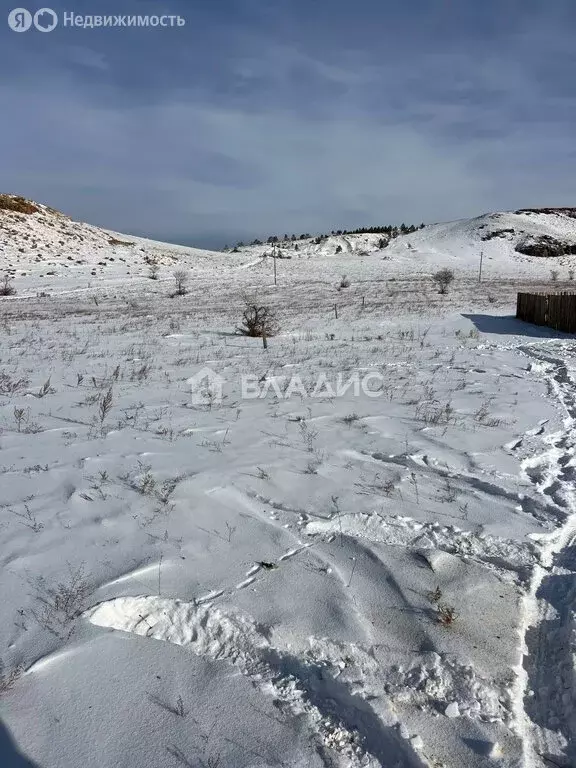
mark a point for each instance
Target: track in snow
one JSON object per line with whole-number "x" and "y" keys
{"x": 341, "y": 719}
{"x": 549, "y": 697}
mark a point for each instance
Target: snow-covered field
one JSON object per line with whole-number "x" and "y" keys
{"x": 274, "y": 568}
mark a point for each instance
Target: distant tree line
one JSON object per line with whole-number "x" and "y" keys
{"x": 390, "y": 230}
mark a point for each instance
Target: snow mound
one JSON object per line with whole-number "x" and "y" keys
{"x": 209, "y": 631}
{"x": 304, "y": 686}
{"x": 441, "y": 684}
{"x": 501, "y": 554}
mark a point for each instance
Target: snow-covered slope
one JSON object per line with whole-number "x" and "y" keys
{"x": 332, "y": 245}
{"x": 43, "y": 242}
{"x": 41, "y": 249}
{"x": 351, "y": 548}
{"x": 458, "y": 244}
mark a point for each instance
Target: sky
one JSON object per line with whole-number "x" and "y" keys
{"x": 262, "y": 117}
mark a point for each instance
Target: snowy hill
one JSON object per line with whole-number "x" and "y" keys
{"x": 529, "y": 242}
{"x": 41, "y": 248}
{"x": 506, "y": 240}
{"x": 36, "y": 240}
{"x": 330, "y": 245}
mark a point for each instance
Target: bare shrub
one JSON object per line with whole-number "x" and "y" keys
{"x": 435, "y": 596}
{"x": 105, "y": 405}
{"x": 153, "y": 269}
{"x": 435, "y": 413}
{"x": 448, "y": 493}
{"x": 443, "y": 278}
{"x": 482, "y": 415}
{"x": 142, "y": 481}
{"x": 61, "y": 604}
{"x": 19, "y": 414}
{"x": 9, "y": 386}
{"x": 554, "y": 275}
{"x": 28, "y": 518}
{"x": 378, "y": 486}
{"x": 312, "y": 467}
{"x": 345, "y": 282}
{"x": 258, "y": 321}
{"x": 46, "y": 389}
{"x": 181, "y": 276}
{"x": 8, "y": 678}
{"x": 6, "y": 287}
{"x": 308, "y": 435}
{"x": 175, "y": 709}
{"x": 446, "y": 614}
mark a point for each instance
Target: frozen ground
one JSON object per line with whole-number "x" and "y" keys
{"x": 376, "y": 579}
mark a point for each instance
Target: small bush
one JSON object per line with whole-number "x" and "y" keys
{"x": 554, "y": 275}
{"x": 345, "y": 282}
{"x": 9, "y": 677}
{"x": 9, "y": 386}
{"x": 258, "y": 321}
{"x": 153, "y": 270}
{"x": 6, "y": 287}
{"x": 18, "y": 204}
{"x": 58, "y": 605}
{"x": 443, "y": 278}
{"x": 446, "y": 614}
{"x": 181, "y": 276}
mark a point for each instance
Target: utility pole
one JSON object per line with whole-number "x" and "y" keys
{"x": 480, "y": 272}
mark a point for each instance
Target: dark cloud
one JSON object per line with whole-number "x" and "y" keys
{"x": 292, "y": 116}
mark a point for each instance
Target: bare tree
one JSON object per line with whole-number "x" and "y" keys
{"x": 6, "y": 287}
{"x": 181, "y": 276}
{"x": 443, "y": 278}
{"x": 258, "y": 321}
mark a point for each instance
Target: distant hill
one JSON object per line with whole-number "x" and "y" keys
{"x": 38, "y": 240}
{"x": 35, "y": 237}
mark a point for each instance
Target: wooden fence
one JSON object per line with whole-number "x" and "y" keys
{"x": 555, "y": 310}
